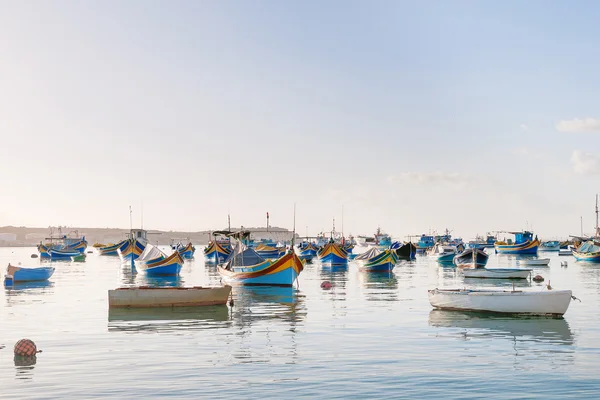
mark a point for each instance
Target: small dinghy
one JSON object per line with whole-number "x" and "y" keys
{"x": 534, "y": 261}
{"x": 20, "y": 274}
{"x": 145, "y": 296}
{"x": 565, "y": 252}
{"x": 471, "y": 258}
{"x": 497, "y": 273}
{"x": 546, "y": 302}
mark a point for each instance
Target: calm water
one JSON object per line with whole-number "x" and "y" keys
{"x": 369, "y": 336}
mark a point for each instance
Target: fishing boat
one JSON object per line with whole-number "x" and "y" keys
{"x": 110, "y": 249}
{"x": 268, "y": 252}
{"x": 471, "y": 258}
{"x": 588, "y": 251}
{"x": 245, "y": 266}
{"x": 442, "y": 254}
{"x": 534, "y": 261}
{"x": 145, "y": 296}
{"x": 404, "y": 251}
{"x": 497, "y": 273}
{"x": 185, "y": 250}
{"x": 425, "y": 242}
{"x": 523, "y": 244}
{"x": 218, "y": 249}
{"x": 57, "y": 254}
{"x": 552, "y": 245}
{"x": 376, "y": 260}
{"x": 21, "y": 274}
{"x": 69, "y": 243}
{"x": 308, "y": 251}
{"x": 482, "y": 243}
{"x": 132, "y": 247}
{"x": 565, "y": 252}
{"x": 546, "y": 302}
{"x": 333, "y": 254}
{"x": 156, "y": 263}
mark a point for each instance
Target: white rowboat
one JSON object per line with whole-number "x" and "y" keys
{"x": 547, "y": 302}
{"x": 532, "y": 261}
{"x": 145, "y": 296}
{"x": 498, "y": 273}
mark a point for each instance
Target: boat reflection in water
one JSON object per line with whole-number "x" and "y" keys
{"x": 379, "y": 286}
{"x": 265, "y": 321}
{"x": 554, "y": 331}
{"x": 21, "y": 292}
{"x": 165, "y": 319}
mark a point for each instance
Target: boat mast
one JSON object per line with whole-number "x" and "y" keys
{"x": 597, "y": 234}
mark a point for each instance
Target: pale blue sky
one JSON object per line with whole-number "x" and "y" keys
{"x": 409, "y": 115}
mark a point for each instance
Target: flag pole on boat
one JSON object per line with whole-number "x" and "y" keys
{"x": 131, "y": 241}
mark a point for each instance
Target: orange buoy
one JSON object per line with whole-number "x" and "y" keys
{"x": 538, "y": 278}
{"x": 326, "y": 285}
{"x": 25, "y": 348}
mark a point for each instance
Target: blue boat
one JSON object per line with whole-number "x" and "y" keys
{"x": 332, "y": 254}
{"x": 308, "y": 251}
{"x": 56, "y": 254}
{"x": 442, "y": 253}
{"x": 588, "y": 251}
{"x": 552, "y": 245}
{"x": 269, "y": 252}
{"x": 20, "y": 274}
{"x": 246, "y": 267}
{"x": 376, "y": 260}
{"x": 523, "y": 244}
{"x": 110, "y": 250}
{"x": 185, "y": 250}
{"x": 154, "y": 262}
{"x": 425, "y": 242}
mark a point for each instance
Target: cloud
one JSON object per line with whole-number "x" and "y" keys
{"x": 524, "y": 128}
{"x": 585, "y": 163}
{"x": 430, "y": 177}
{"x": 579, "y": 125}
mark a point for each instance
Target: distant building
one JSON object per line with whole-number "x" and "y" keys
{"x": 8, "y": 237}
{"x": 35, "y": 236}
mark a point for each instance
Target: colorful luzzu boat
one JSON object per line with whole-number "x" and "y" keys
{"x": 216, "y": 252}
{"x": 246, "y": 267}
{"x": 524, "y": 244}
{"x": 442, "y": 254}
{"x": 308, "y": 251}
{"x": 154, "y": 262}
{"x": 185, "y": 250}
{"x": 130, "y": 250}
{"x": 20, "y": 274}
{"x": 110, "y": 250}
{"x": 268, "y": 252}
{"x": 333, "y": 254}
{"x": 587, "y": 251}
{"x": 375, "y": 260}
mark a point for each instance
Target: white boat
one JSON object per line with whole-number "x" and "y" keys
{"x": 546, "y": 302}
{"x": 534, "y": 261}
{"x": 565, "y": 252}
{"x": 497, "y": 273}
{"x": 145, "y": 296}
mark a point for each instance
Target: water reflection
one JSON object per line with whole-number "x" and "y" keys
{"x": 380, "y": 286}
{"x": 24, "y": 366}
{"x": 547, "y": 330}
{"x": 266, "y": 321}
{"x": 25, "y": 292}
{"x": 164, "y": 319}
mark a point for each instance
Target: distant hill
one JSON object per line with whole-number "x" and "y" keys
{"x": 26, "y": 236}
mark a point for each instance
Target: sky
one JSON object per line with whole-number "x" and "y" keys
{"x": 412, "y": 116}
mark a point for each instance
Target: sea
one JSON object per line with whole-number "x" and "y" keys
{"x": 369, "y": 336}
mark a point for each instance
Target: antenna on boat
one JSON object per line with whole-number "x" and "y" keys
{"x": 294, "y": 228}
{"x": 597, "y": 233}
{"x": 130, "y": 221}
{"x": 142, "y": 219}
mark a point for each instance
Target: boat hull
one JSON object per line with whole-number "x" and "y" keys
{"x": 62, "y": 255}
{"x": 333, "y": 255}
{"x": 465, "y": 259}
{"x": 541, "y": 262}
{"x": 529, "y": 247}
{"x": 18, "y": 274}
{"x": 168, "y": 297}
{"x": 383, "y": 262}
{"x": 130, "y": 250}
{"x": 170, "y": 265}
{"x": 282, "y": 272}
{"x": 497, "y": 273}
{"x": 216, "y": 253}
{"x": 589, "y": 257}
{"x": 551, "y": 302}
